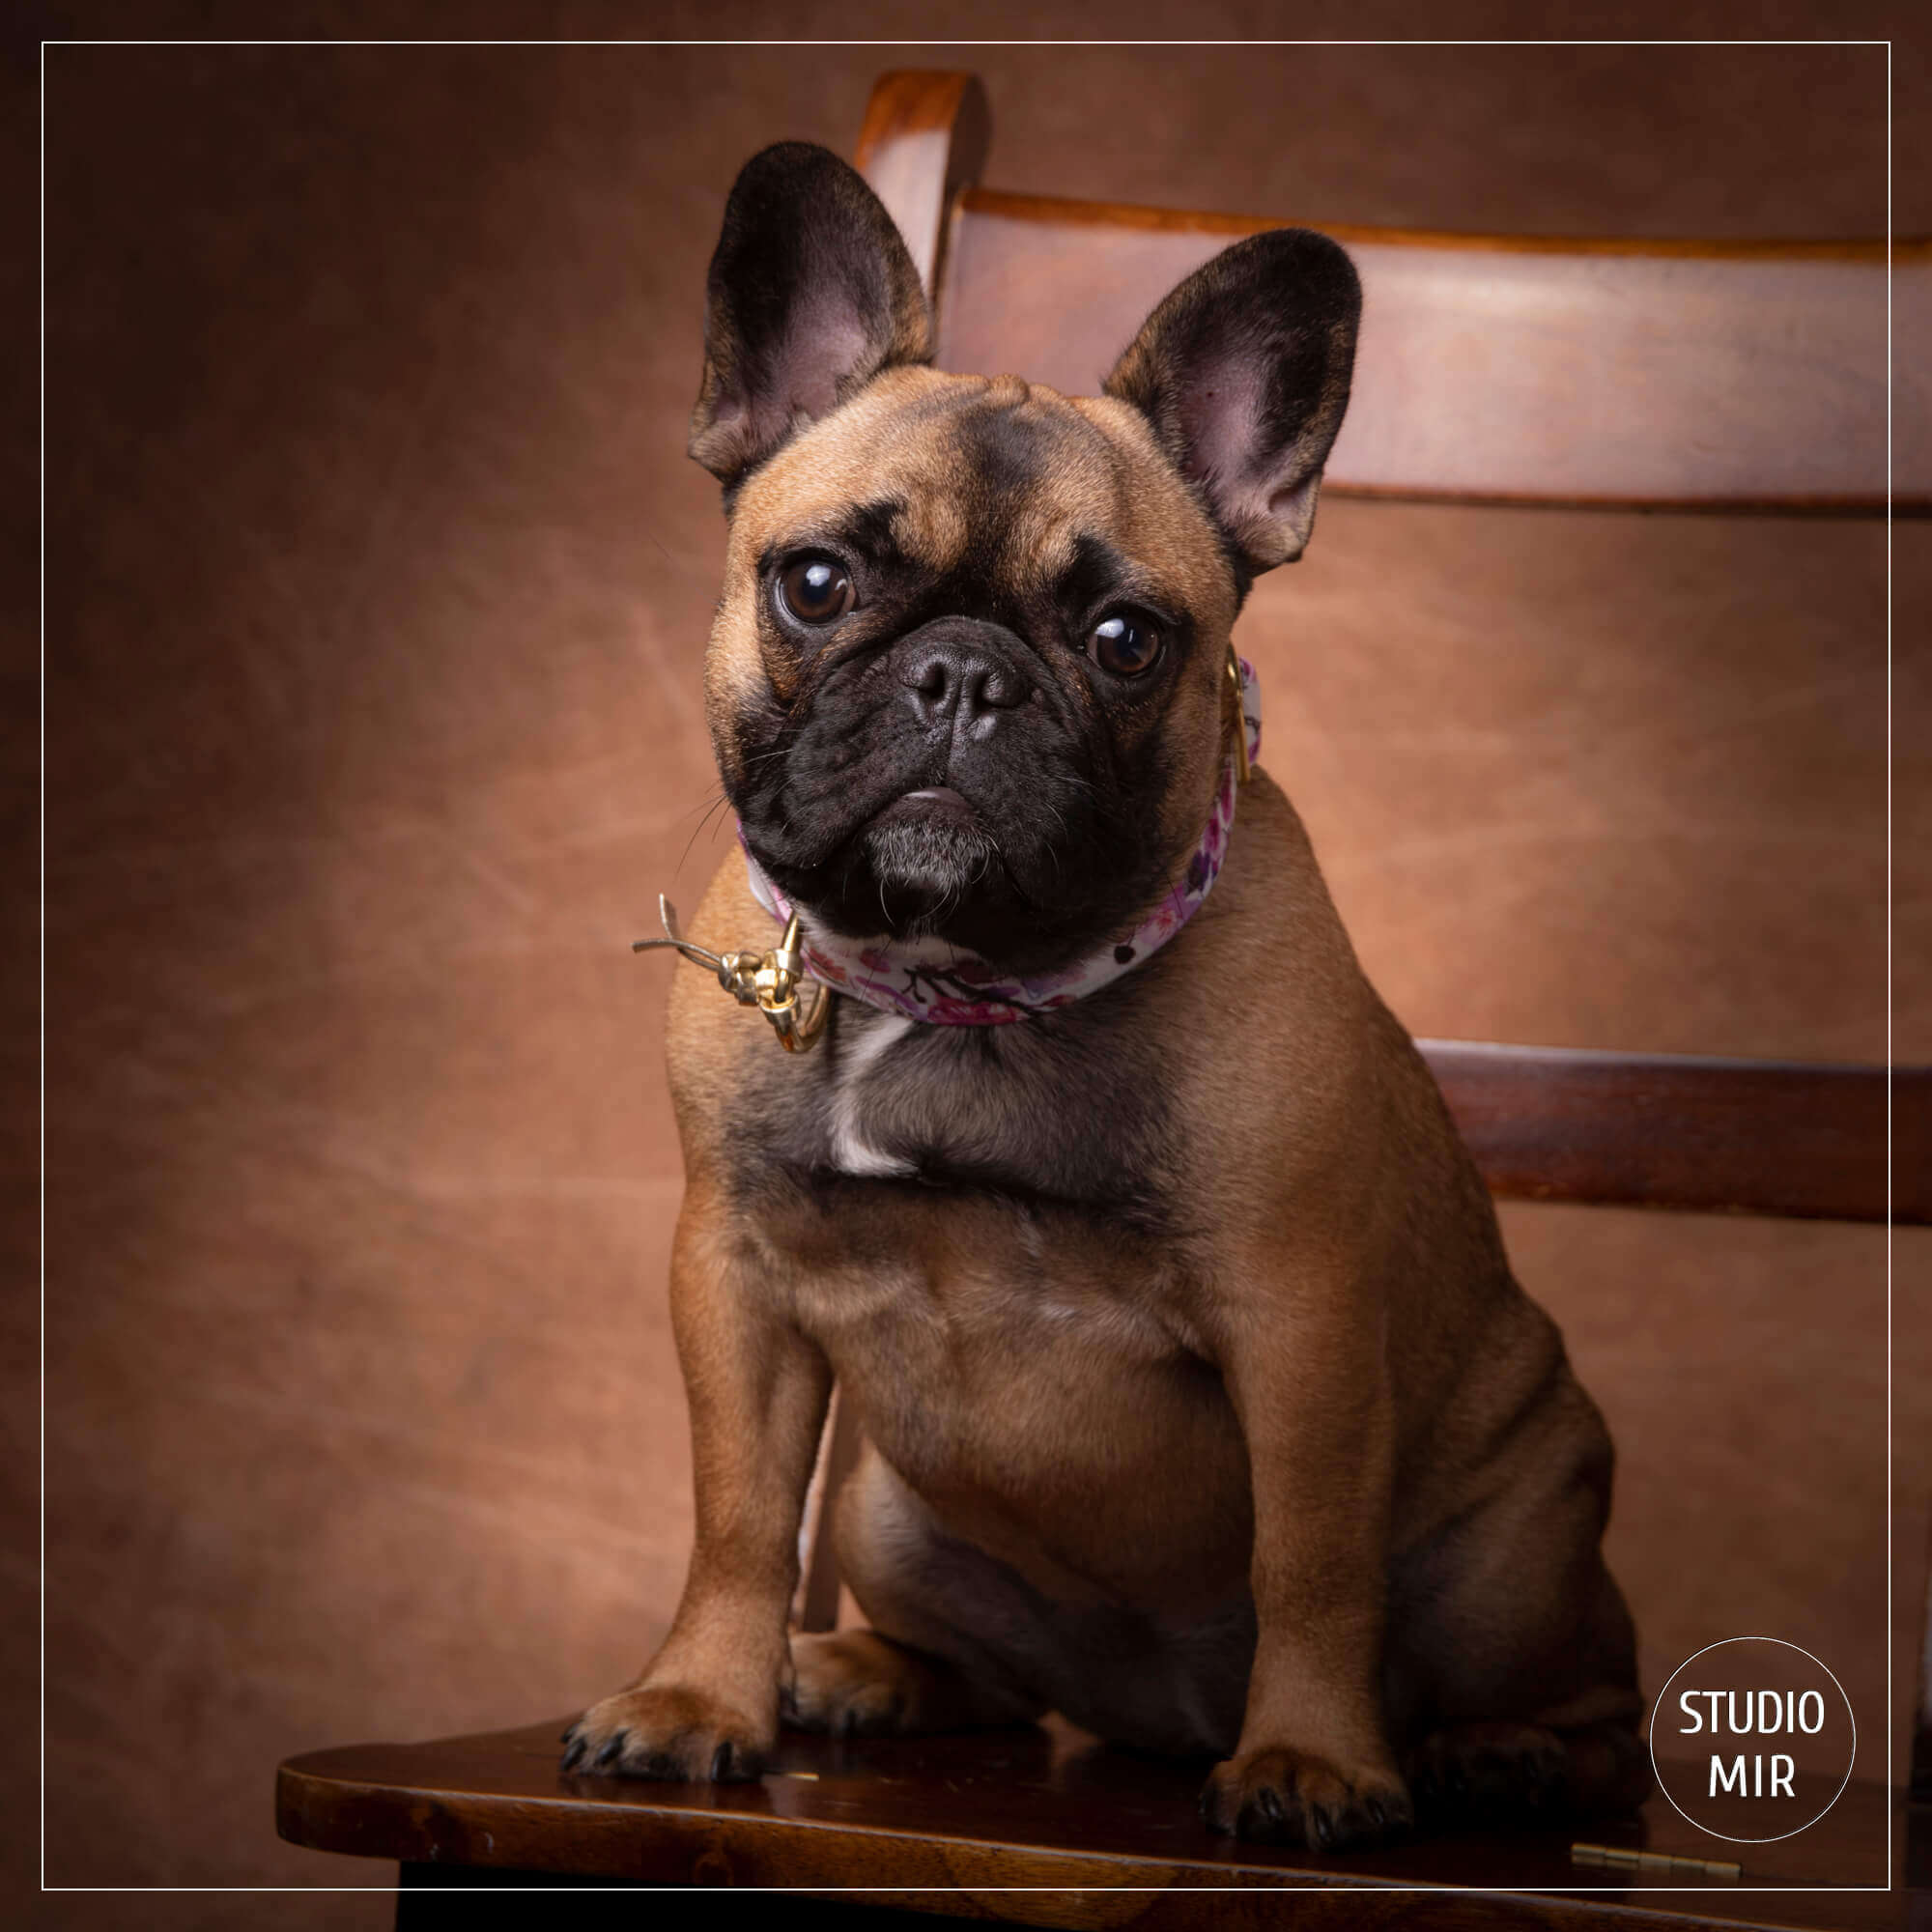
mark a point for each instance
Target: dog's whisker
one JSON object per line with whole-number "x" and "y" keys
{"x": 696, "y": 833}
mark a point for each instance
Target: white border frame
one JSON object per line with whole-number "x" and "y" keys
{"x": 1542, "y": 1891}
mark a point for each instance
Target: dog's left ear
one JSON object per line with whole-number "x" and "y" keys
{"x": 1243, "y": 371}
{"x": 811, "y": 293}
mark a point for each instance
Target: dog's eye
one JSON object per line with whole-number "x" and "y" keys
{"x": 1124, "y": 645}
{"x": 817, "y": 590}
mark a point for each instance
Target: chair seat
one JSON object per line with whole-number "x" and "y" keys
{"x": 943, "y": 1824}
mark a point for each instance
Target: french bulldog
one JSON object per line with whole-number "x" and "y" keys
{"x": 1199, "y": 1402}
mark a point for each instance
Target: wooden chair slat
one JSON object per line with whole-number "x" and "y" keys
{"x": 817, "y": 1604}
{"x": 1678, "y": 1130}
{"x": 1642, "y": 375}
{"x": 1776, "y": 1138}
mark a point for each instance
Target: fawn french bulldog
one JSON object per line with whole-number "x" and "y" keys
{"x": 1199, "y": 1401}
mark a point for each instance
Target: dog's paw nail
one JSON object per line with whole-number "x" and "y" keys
{"x": 721, "y": 1764}
{"x": 1377, "y": 1813}
{"x": 613, "y": 1748}
{"x": 1320, "y": 1827}
{"x": 573, "y": 1755}
{"x": 1262, "y": 1817}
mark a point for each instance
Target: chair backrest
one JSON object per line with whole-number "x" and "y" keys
{"x": 1718, "y": 376}
{"x": 1707, "y": 375}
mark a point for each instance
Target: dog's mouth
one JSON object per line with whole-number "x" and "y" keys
{"x": 928, "y": 852}
{"x": 932, "y": 805}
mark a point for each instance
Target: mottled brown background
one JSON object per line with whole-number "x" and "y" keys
{"x": 377, "y": 585}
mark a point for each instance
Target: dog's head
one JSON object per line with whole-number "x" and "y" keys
{"x": 967, "y": 674}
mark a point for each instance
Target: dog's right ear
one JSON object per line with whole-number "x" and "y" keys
{"x": 811, "y": 293}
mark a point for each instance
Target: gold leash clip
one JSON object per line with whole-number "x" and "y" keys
{"x": 772, "y": 982}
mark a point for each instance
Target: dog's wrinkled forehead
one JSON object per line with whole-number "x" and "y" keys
{"x": 989, "y": 481}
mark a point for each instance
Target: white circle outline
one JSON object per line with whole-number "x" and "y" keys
{"x": 1776, "y": 1837}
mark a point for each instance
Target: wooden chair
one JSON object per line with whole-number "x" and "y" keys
{"x": 1478, "y": 361}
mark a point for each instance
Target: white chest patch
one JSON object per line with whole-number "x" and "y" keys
{"x": 851, "y": 1151}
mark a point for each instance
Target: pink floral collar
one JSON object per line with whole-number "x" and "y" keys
{"x": 932, "y": 981}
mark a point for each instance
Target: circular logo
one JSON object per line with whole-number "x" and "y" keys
{"x": 1752, "y": 1738}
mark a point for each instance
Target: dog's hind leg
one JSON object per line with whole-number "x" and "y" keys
{"x": 1512, "y": 1661}
{"x": 859, "y": 1684}
{"x": 1531, "y": 1705}
{"x": 1503, "y": 1772}
{"x": 934, "y": 1658}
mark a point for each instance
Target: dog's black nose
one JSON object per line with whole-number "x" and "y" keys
{"x": 962, "y": 683}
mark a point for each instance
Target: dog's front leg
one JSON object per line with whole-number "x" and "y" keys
{"x": 706, "y": 1705}
{"x": 1302, "y": 1361}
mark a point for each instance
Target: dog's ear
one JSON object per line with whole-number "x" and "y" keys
{"x": 1243, "y": 371}
{"x": 811, "y": 293}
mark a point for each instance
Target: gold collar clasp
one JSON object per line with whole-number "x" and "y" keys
{"x": 774, "y": 981}
{"x": 1243, "y": 768}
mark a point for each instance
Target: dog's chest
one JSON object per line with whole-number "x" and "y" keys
{"x": 983, "y": 1230}
{"x": 954, "y": 1209}
{"x": 1056, "y": 1116}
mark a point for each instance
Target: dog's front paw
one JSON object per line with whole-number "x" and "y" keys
{"x": 1293, "y": 1797}
{"x": 670, "y": 1733}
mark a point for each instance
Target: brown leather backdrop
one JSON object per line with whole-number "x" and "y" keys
{"x": 378, "y": 583}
